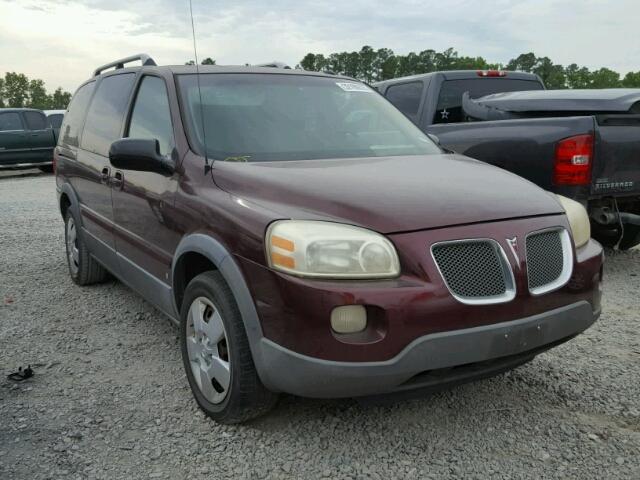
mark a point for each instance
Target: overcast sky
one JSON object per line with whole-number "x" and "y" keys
{"x": 61, "y": 41}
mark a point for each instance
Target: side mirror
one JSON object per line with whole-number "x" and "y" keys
{"x": 436, "y": 140}
{"x": 140, "y": 155}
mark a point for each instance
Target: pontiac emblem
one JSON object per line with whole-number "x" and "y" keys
{"x": 513, "y": 245}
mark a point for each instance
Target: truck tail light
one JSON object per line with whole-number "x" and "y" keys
{"x": 573, "y": 160}
{"x": 54, "y": 161}
{"x": 491, "y": 73}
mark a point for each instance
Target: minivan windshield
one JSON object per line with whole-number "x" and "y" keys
{"x": 271, "y": 117}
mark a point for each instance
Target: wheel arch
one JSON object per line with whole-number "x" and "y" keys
{"x": 202, "y": 247}
{"x": 67, "y": 198}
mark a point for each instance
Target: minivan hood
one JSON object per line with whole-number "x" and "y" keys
{"x": 387, "y": 194}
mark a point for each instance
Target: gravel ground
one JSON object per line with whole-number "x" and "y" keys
{"x": 110, "y": 400}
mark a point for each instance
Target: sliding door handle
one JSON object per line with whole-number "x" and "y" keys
{"x": 118, "y": 180}
{"x": 104, "y": 175}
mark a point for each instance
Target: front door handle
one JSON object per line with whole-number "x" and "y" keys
{"x": 104, "y": 175}
{"x": 118, "y": 180}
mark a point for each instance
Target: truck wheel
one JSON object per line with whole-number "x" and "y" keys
{"x": 216, "y": 354}
{"x": 630, "y": 238}
{"x": 83, "y": 268}
{"x": 608, "y": 237}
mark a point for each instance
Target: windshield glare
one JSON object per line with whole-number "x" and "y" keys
{"x": 270, "y": 117}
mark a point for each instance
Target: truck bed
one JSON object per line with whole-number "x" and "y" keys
{"x": 519, "y": 131}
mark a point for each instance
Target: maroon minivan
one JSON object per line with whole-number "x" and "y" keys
{"x": 309, "y": 239}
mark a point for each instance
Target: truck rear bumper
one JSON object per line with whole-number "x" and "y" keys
{"x": 515, "y": 341}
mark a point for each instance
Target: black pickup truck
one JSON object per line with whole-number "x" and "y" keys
{"x": 583, "y": 144}
{"x": 27, "y": 139}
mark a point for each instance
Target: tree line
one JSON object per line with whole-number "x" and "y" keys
{"x": 369, "y": 65}
{"x": 372, "y": 65}
{"x": 18, "y": 91}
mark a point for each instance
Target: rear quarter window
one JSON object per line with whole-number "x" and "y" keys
{"x": 72, "y": 123}
{"x": 106, "y": 113}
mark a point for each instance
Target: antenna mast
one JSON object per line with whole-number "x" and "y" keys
{"x": 207, "y": 167}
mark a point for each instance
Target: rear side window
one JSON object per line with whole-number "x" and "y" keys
{"x": 449, "y": 108}
{"x": 10, "y": 121}
{"x": 151, "y": 117}
{"x": 72, "y": 124}
{"x": 106, "y": 113}
{"x": 55, "y": 119}
{"x": 35, "y": 120}
{"x": 406, "y": 97}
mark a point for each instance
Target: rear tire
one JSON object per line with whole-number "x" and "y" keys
{"x": 630, "y": 238}
{"x": 216, "y": 354}
{"x": 609, "y": 238}
{"x": 83, "y": 268}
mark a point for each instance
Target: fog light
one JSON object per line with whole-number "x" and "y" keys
{"x": 349, "y": 319}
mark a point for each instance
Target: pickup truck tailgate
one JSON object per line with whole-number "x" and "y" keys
{"x": 616, "y": 168}
{"x": 525, "y": 146}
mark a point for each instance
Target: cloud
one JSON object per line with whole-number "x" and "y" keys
{"x": 61, "y": 41}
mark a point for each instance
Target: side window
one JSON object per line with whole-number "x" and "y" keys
{"x": 35, "y": 120}
{"x": 55, "y": 119}
{"x": 151, "y": 116}
{"x": 10, "y": 121}
{"x": 406, "y": 97}
{"x": 72, "y": 123}
{"x": 106, "y": 113}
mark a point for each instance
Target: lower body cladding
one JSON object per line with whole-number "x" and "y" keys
{"x": 515, "y": 342}
{"x": 417, "y": 334}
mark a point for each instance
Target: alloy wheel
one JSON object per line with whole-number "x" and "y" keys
{"x": 208, "y": 350}
{"x": 72, "y": 246}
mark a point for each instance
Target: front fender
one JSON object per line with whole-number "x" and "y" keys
{"x": 217, "y": 253}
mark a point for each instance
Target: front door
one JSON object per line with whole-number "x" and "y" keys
{"x": 14, "y": 143}
{"x": 144, "y": 236}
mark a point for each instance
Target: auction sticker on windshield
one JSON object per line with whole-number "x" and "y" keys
{"x": 353, "y": 87}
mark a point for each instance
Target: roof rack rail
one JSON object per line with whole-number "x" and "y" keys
{"x": 274, "y": 64}
{"x": 143, "y": 57}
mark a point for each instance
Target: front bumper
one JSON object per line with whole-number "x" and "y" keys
{"x": 294, "y": 373}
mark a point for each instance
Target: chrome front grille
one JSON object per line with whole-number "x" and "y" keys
{"x": 476, "y": 271}
{"x": 549, "y": 260}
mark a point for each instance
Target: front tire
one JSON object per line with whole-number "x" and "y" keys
{"x": 216, "y": 354}
{"x": 83, "y": 268}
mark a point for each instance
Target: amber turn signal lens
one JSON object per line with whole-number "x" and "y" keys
{"x": 282, "y": 243}
{"x": 282, "y": 260}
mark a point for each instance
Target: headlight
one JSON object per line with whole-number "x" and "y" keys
{"x": 331, "y": 250}
{"x": 578, "y": 220}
